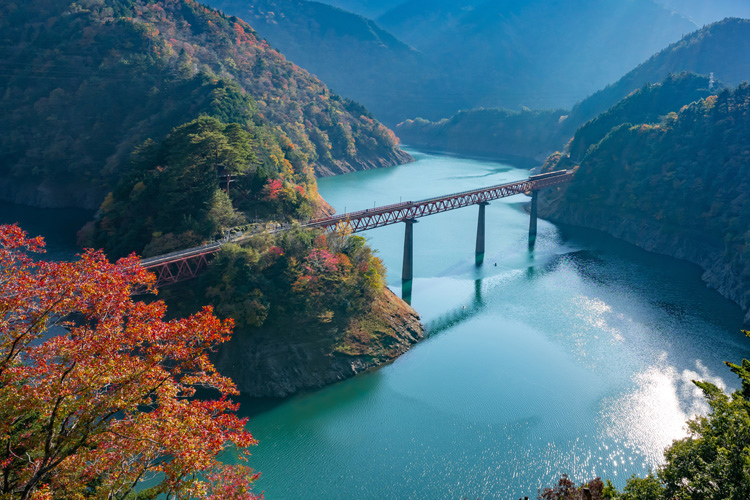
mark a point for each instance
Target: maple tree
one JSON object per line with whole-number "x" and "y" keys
{"x": 97, "y": 390}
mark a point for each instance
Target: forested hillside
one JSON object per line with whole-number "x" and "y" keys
{"x": 649, "y": 104}
{"x": 521, "y": 136}
{"x": 351, "y": 54}
{"x": 84, "y": 82}
{"x": 722, "y": 48}
{"x": 530, "y": 135}
{"x": 324, "y": 295}
{"x": 678, "y": 187}
{"x": 533, "y": 53}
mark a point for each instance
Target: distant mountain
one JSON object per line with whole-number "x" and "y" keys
{"x": 367, "y": 8}
{"x": 431, "y": 58}
{"x": 350, "y": 53}
{"x": 709, "y": 11}
{"x": 680, "y": 187}
{"x": 523, "y": 137}
{"x": 722, "y": 48}
{"x": 520, "y": 136}
{"x": 82, "y": 83}
{"x": 534, "y": 53}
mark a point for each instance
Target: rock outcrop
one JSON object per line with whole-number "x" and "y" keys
{"x": 385, "y": 158}
{"x": 650, "y": 235}
{"x": 269, "y": 364}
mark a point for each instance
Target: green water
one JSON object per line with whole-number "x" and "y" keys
{"x": 576, "y": 357}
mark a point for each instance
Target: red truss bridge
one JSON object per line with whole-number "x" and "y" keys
{"x": 372, "y": 218}
{"x": 185, "y": 264}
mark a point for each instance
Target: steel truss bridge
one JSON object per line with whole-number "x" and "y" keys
{"x": 185, "y": 264}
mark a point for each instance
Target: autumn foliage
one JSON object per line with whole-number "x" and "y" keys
{"x": 96, "y": 389}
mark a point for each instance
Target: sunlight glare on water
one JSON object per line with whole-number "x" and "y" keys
{"x": 577, "y": 357}
{"x": 573, "y": 358}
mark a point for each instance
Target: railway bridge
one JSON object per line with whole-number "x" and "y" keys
{"x": 185, "y": 264}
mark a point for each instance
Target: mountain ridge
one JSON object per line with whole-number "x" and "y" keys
{"x": 678, "y": 187}
{"x": 723, "y": 46}
{"x": 108, "y": 75}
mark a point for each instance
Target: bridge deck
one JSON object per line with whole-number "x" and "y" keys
{"x": 364, "y": 220}
{"x": 353, "y": 222}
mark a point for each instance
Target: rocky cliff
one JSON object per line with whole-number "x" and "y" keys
{"x": 383, "y": 158}
{"x": 674, "y": 183}
{"x": 268, "y": 363}
{"x": 649, "y": 234}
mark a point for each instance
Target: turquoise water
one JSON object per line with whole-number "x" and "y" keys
{"x": 574, "y": 358}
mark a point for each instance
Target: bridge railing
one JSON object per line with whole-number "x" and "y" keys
{"x": 167, "y": 257}
{"x": 412, "y": 207}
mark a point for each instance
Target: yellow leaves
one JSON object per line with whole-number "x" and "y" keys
{"x": 709, "y": 102}
{"x": 326, "y": 316}
{"x": 42, "y": 493}
{"x": 275, "y": 160}
{"x": 106, "y": 205}
{"x": 139, "y": 187}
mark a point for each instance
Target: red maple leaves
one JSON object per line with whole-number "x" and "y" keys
{"x": 97, "y": 390}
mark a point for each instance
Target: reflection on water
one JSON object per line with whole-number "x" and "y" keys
{"x": 648, "y": 419}
{"x": 58, "y": 226}
{"x": 458, "y": 315}
{"x": 576, "y": 357}
{"x": 573, "y": 357}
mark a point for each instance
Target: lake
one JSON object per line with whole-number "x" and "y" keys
{"x": 576, "y": 357}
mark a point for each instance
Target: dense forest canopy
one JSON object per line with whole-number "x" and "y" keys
{"x": 532, "y": 134}
{"x": 649, "y": 104}
{"x": 173, "y": 196}
{"x": 685, "y": 177}
{"x": 86, "y": 82}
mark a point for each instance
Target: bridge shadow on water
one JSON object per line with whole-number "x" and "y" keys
{"x": 536, "y": 266}
{"x": 458, "y": 315}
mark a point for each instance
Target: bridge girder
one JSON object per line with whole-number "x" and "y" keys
{"x": 187, "y": 264}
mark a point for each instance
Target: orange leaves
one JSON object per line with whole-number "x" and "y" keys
{"x": 273, "y": 188}
{"x": 95, "y": 388}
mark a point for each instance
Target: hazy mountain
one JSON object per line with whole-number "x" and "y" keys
{"x": 350, "y": 53}
{"x": 367, "y": 8}
{"x": 709, "y": 11}
{"x": 468, "y": 53}
{"x": 534, "y": 53}
{"x": 721, "y": 48}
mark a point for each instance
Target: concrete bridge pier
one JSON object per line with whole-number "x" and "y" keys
{"x": 480, "y": 233}
{"x": 406, "y": 291}
{"x": 480, "y": 227}
{"x": 532, "y": 220}
{"x": 407, "y": 271}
